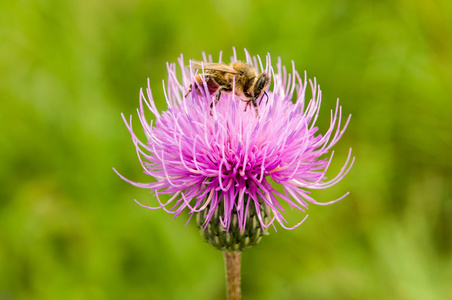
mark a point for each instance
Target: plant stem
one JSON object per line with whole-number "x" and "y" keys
{"x": 232, "y": 265}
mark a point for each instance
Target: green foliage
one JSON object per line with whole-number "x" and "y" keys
{"x": 69, "y": 228}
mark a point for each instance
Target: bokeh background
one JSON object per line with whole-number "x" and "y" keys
{"x": 69, "y": 228}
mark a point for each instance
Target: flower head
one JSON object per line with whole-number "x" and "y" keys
{"x": 209, "y": 155}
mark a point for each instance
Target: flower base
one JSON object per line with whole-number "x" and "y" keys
{"x": 233, "y": 239}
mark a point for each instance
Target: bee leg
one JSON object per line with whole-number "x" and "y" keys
{"x": 248, "y": 103}
{"x": 189, "y": 90}
{"x": 217, "y": 97}
{"x": 253, "y": 100}
{"x": 214, "y": 102}
{"x": 196, "y": 83}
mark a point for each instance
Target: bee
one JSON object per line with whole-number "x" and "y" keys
{"x": 219, "y": 77}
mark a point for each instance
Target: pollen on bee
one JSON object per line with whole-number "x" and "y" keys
{"x": 198, "y": 78}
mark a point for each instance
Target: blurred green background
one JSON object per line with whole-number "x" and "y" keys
{"x": 69, "y": 228}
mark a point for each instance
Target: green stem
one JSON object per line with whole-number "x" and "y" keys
{"x": 232, "y": 265}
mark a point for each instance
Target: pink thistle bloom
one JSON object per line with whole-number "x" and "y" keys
{"x": 207, "y": 156}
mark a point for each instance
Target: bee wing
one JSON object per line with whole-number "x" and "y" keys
{"x": 213, "y": 66}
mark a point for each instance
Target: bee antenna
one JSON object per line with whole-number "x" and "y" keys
{"x": 265, "y": 93}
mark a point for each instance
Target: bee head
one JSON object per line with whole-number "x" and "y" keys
{"x": 262, "y": 82}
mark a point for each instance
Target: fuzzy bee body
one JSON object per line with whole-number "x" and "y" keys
{"x": 249, "y": 85}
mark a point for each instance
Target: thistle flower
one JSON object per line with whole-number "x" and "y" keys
{"x": 228, "y": 166}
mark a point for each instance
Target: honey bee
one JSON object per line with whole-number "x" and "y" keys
{"x": 219, "y": 77}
